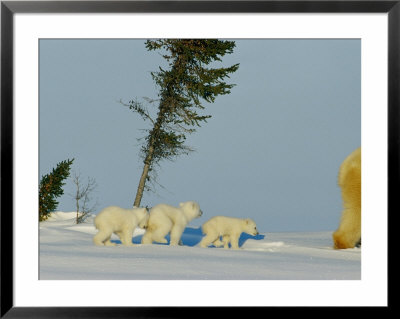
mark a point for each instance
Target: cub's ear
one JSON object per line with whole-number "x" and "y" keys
{"x": 180, "y": 204}
{"x": 247, "y": 221}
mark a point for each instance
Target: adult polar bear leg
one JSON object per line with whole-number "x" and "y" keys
{"x": 349, "y": 232}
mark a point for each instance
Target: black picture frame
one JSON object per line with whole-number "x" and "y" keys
{"x": 9, "y": 8}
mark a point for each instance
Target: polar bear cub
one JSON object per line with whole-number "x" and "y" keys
{"x": 166, "y": 219}
{"x": 120, "y": 221}
{"x": 229, "y": 228}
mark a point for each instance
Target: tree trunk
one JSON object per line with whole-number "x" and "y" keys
{"x": 143, "y": 177}
{"x": 77, "y": 196}
{"x": 149, "y": 158}
{"x": 163, "y": 109}
{"x": 77, "y": 206}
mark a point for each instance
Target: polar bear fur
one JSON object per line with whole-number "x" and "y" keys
{"x": 349, "y": 232}
{"x": 229, "y": 228}
{"x": 166, "y": 219}
{"x": 120, "y": 221}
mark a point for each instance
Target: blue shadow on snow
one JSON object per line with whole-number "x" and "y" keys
{"x": 192, "y": 236}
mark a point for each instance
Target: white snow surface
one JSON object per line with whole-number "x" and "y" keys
{"x": 67, "y": 252}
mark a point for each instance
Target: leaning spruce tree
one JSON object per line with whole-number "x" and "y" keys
{"x": 50, "y": 187}
{"x": 183, "y": 87}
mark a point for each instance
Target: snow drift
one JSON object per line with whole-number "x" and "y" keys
{"x": 67, "y": 252}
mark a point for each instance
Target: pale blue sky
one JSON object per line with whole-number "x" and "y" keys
{"x": 271, "y": 150}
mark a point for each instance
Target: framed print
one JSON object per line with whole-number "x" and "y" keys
{"x": 269, "y": 99}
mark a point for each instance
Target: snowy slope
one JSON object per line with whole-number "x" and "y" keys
{"x": 67, "y": 252}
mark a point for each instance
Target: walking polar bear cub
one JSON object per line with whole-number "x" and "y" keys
{"x": 119, "y": 221}
{"x": 349, "y": 232}
{"x": 229, "y": 228}
{"x": 166, "y": 219}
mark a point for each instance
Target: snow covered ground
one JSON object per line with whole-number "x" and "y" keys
{"x": 67, "y": 252}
